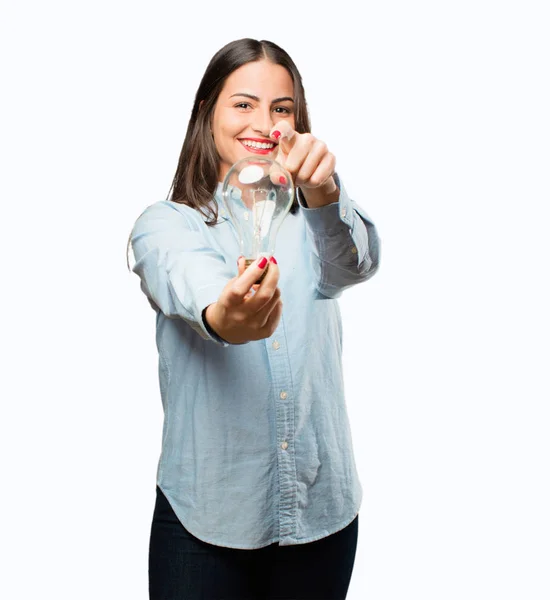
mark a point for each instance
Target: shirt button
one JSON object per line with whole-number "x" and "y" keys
{"x": 284, "y": 445}
{"x": 344, "y": 212}
{"x": 276, "y": 345}
{"x": 283, "y": 395}
{"x": 354, "y": 250}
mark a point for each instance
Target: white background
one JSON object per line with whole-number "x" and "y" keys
{"x": 438, "y": 114}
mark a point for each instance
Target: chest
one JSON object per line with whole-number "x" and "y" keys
{"x": 292, "y": 251}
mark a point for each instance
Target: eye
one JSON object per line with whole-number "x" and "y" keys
{"x": 242, "y": 104}
{"x": 286, "y": 110}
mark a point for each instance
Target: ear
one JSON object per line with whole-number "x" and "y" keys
{"x": 200, "y": 104}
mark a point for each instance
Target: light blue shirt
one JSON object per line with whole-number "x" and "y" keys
{"x": 256, "y": 443}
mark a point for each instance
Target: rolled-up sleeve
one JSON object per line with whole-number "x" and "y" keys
{"x": 344, "y": 241}
{"x": 180, "y": 271}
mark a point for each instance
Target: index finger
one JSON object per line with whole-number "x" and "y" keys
{"x": 286, "y": 139}
{"x": 242, "y": 284}
{"x": 266, "y": 289}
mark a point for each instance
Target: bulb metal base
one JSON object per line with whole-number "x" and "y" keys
{"x": 249, "y": 261}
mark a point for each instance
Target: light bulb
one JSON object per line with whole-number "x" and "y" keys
{"x": 257, "y": 194}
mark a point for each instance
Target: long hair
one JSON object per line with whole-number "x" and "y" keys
{"x": 196, "y": 176}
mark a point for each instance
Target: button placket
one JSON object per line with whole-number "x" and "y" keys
{"x": 284, "y": 425}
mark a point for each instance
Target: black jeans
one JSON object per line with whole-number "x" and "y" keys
{"x": 182, "y": 567}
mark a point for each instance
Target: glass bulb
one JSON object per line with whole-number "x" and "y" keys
{"x": 257, "y": 193}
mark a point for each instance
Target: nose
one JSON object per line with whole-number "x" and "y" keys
{"x": 263, "y": 121}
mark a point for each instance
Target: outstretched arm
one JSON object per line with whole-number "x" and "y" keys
{"x": 344, "y": 241}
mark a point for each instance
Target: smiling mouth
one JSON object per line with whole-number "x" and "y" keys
{"x": 258, "y": 147}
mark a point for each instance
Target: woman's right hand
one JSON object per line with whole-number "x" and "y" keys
{"x": 240, "y": 315}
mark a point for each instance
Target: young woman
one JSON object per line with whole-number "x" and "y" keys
{"x": 257, "y": 489}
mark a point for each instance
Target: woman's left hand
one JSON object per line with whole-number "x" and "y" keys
{"x": 305, "y": 157}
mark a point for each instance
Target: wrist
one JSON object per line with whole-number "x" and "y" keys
{"x": 328, "y": 193}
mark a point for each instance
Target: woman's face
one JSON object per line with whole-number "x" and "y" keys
{"x": 254, "y": 98}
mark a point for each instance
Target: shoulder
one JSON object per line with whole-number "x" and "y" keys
{"x": 168, "y": 214}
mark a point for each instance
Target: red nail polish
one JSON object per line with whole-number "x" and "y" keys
{"x": 272, "y": 259}
{"x": 282, "y": 179}
{"x": 276, "y": 134}
{"x": 262, "y": 263}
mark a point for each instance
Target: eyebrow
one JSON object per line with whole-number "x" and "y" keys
{"x": 258, "y": 100}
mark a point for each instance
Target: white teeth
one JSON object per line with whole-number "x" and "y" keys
{"x": 257, "y": 144}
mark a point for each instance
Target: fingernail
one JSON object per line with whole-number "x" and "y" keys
{"x": 262, "y": 263}
{"x": 273, "y": 260}
{"x": 282, "y": 179}
{"x": 276, "y": 134}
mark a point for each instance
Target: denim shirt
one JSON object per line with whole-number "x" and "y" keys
{"x": 256, "y": 442}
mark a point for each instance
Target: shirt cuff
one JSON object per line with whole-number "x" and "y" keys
{"x": 330, "y": 216}
{"x": 211, "y": 333}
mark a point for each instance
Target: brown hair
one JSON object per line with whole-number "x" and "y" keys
{"x": 196, "y": 177}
